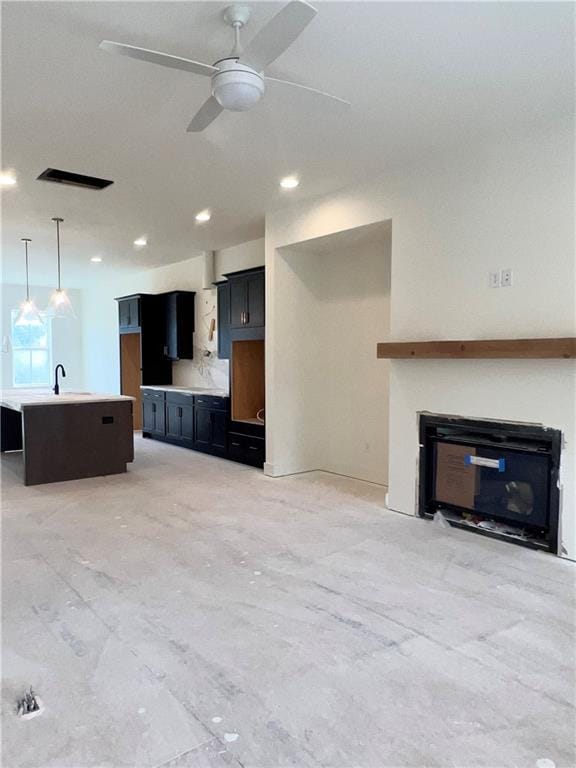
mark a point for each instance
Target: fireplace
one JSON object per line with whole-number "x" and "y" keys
{"x": 495, "y": 478}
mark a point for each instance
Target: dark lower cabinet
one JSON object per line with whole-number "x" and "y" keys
{"x": 153, "y": 414}
{"x": 201, "y": 422}
{"x": 246, "y": 449}
{"x": 202, "y": 428}
{"x": 180, "y": 422}
{"x": 210, "y": 430}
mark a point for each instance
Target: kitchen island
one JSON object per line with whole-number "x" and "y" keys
{"x": 67, "y": 436}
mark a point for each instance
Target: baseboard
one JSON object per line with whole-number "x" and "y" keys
{"x": 279, "y": 470}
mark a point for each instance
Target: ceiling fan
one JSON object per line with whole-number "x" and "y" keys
{"x": 238, "y": 82}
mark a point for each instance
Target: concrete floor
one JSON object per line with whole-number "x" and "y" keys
{"x": 196, "y": 613}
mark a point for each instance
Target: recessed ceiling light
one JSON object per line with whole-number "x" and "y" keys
{"x": 289, "y": 182}
{"x": 7, "y": 180}
{"x": 203, "y": 217}
{"x": 140, "y": 242}
{"x": 96, "y": 259}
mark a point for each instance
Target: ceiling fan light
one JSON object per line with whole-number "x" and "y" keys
{"x": 237, "y": 87}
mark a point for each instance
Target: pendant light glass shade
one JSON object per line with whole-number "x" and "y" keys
{"x": 28, "y": 313}
{"x": 59, "y": 304}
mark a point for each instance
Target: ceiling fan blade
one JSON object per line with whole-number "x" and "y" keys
{"x": 208, "y": 112}
{"x": 278, "y": 34}
{"x": 317, "y": 92}
{"x": 156, "y": 57}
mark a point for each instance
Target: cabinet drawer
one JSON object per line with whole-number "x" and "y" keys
{"x": 153, "y": 394}
{"x": 248, "y": 450}
{"x": 209, "y": 401}
{"x": 179, "y": 398}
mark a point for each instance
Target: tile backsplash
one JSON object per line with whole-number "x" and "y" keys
{"x": 205, "y": 370}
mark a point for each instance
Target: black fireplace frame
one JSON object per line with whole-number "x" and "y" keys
{"x": 429, "y": 422}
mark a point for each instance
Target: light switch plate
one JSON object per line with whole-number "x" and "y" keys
{"x": 506, "y": 278}
{"x": 493, "y": 279}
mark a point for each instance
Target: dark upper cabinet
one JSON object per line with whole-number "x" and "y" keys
{"x": 144, "y": 314}
{"x": 129, "y": 313}
{"x": 255, "y": 289}
{"x": 179, "y": 325}
{"x": 247, "y": 298}
{"x": 223, "y": 327}
{"x": 156, "y": 367}
{"x": 238, "y": 302}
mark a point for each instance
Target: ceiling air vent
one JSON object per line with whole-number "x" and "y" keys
{"x": 74, "y": 179}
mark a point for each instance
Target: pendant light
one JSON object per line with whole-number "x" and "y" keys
{"x": 60, "y": 304}
{"x": 28, "y": 313}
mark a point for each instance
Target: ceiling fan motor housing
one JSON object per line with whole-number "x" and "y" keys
{"x": 237, "y": 86}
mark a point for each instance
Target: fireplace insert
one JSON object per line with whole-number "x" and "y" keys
{"x": 499, "y": 479}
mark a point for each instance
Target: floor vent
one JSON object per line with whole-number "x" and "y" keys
{"x": 74, "y": 179}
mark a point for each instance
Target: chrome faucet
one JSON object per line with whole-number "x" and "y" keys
{"x": 56, "y": 385}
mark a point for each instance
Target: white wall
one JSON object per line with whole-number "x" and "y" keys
{"x": 100, "y": 329}
{"x": 507, "y": 204}
{"x": 66, "y": 333}
{"x": 243, "y": 256}
{"x": 336, "y": 302}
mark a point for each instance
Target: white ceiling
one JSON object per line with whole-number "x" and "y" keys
{"x": 420, "y": 76}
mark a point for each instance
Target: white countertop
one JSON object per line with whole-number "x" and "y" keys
{"x": 189, "y": 390}
{"x": 16, "y": 399}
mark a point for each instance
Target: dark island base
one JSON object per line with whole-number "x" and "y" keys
{"x": 72, "y": 441}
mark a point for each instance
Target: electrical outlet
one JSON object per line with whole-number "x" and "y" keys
{"x": 506, "y": 278}
{"x": 493, "y": 279}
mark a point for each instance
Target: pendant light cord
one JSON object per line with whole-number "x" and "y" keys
{"x": 27, "y": 240}
{"x": 58, "y": 220}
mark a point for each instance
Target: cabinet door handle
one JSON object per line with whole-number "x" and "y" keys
{"x": 253, "y": 447}
{"x": 179, "y": 412}
{"x": 247, "y": 318}
{"x": 153, "y": 407}
{"x": 236, "y": 444}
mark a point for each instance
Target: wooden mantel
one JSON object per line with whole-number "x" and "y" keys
{"x": 536, "y": 349}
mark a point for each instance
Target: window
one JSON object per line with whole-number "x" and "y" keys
{"x": 31, "y": 353}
